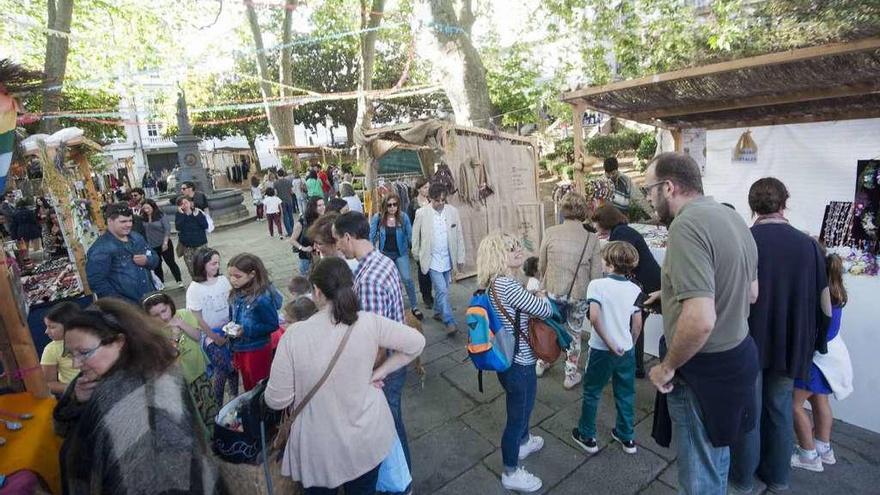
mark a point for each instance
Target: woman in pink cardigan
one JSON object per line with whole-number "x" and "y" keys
{"x": 345, "y": 431}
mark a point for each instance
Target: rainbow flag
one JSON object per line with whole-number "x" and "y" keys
{"x": 8, "y": 113}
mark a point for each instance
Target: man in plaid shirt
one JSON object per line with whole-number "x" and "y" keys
{"x": 378, "y": 287}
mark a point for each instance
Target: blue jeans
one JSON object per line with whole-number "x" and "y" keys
{"x": 441, "y": 282}
{"x": 287, "y": 217}
{"x": 301, "y": 203}
{"x": 766, "y": 450}
{"x": 519, "y": 383}
{"x": 364, "y": 484}
{"x": 394, "y": 384}
{"x": 403, "y": 268}
{"x": 702, "y": 467}
{"x": 304, "y": 266}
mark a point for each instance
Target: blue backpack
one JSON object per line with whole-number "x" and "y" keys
{"x": 489, "y": 347}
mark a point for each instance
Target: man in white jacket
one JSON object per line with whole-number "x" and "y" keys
{"x": 438, "y": 244}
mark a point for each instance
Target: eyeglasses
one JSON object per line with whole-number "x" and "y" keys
{"x": 82, "y": 356}
{"x": 647, "y": 187}
{"x": 391, "y": 205}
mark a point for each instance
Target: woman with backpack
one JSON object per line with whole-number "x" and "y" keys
{"x": 499, "y": 258}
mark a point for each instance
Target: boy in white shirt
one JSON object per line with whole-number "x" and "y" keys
{"x": 617, "y": 322}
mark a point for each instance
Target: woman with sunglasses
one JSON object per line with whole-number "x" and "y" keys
{"x": 390, "y": 232}
{"x": 499, "y": 264}
{"x": 127, "y": 421}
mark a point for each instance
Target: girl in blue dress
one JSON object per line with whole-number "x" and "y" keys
{"x": 811, "y": 453}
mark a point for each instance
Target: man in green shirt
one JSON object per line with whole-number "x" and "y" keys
{"x": 709, "y": 280}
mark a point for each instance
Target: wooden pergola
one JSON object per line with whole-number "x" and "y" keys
{"x": 838, "y": 81}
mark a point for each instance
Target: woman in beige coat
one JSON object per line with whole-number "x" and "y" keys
{"x": 561, "y": 249}
{"x": 345, "y": 431}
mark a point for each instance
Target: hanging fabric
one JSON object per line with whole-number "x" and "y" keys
{"x": 444, "y": 176}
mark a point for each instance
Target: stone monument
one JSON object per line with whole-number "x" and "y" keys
{"x": 226, "y": 205}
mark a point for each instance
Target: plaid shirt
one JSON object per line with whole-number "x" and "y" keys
{"x": 377, "y": 284}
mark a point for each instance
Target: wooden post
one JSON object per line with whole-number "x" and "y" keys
{"x": 676, "y": 140}
{"x": 20, "y": 336}
{"x": 579, "y": 157}
{"x": 91, "y": 191}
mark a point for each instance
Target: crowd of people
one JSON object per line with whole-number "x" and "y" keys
{"x": 141, "y": 381}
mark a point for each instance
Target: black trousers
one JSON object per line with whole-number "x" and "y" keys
{"x": 425, "y": 286}
{"x": 640, "y": 346}
{"x": 168, "y": 256}
{"x": 365, "y": 484}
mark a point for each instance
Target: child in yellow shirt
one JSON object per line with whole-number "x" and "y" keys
{"x": 58, "y": 368}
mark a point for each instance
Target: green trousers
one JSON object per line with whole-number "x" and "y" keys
{"x": 621, "y": 370}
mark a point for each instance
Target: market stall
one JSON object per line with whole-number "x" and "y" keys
{"x": 808, "y": 117}
{"x": 74, "y": 200}
{"x": 493, "y": 177}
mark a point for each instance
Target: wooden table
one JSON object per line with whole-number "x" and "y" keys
{"x": 35, "y": 446}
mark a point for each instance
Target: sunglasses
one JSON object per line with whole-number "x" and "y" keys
{"x": 392, "y": 204}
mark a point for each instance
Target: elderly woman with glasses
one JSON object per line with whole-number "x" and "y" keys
{"x": 128, "y": 423}
{"x": 391, "y": 233}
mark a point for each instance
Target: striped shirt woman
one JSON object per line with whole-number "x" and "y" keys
{"x": 499, "y": 257}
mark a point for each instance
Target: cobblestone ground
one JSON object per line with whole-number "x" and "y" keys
{"x": 455, "y": 431}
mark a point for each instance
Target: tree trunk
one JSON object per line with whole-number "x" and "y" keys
{"x": 280, "y": 118}
{"x": 252, "y": 144}
{"x": 371, "y": 16}
{"x": 349, "y": 133}
{"x": 285, "y": 113}
{"x": 57, "y": 48}
{"x": 461, "y": 68}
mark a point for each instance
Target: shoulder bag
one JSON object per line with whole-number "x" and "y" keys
{"x": 543, "y": 338}
{"x": 565, "y": 305}
{"x": 284, "y": 429}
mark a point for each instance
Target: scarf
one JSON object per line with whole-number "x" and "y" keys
{"x": 135, "y": 436}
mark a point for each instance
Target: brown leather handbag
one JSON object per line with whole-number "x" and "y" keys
{"x": 543, "y": 341}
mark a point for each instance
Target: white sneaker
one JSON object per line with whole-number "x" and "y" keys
{"x": 541, "y": 367}
{"x": 534, "y": 444}
{"x": 805, "y": 462}
{"x": 828, "y": 457}
{"x": 572, "y": 379}
{"x": 521, "y": 481}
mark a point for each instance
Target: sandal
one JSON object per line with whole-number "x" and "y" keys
{"x": 418, "y": 314}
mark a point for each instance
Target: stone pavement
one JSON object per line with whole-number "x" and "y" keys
{"x": 455, "y": 431}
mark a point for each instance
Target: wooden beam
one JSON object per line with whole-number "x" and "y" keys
{"x": 85, "y": 171}
{"x": 579, "y": 155}
{"x": 870, "y": 113}
{"x": 732, "y": 65}
{"x": 780, "y": 98}
{"x": 20, "y": 336}
{"x": 676, "y": 140}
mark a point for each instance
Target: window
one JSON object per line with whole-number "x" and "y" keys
{"x": 153, "y": 130}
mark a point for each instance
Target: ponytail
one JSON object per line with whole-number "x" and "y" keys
{"x": 345, "y": 306}
{"x": 333, "y": 276}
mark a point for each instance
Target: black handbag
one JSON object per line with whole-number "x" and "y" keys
{"x": 243, "y": 447}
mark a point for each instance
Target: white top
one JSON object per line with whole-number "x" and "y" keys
{"x": 212, "y": 300}
{"x": 533, "y": 284}
{"x": 297, "y": 183}
{"x": 617, "y": 297}
{"x": 440, "y": 260}
{"x": 257, "y": 193}
{"x": 272, "y": 204}
{"x": 354, "y": 203}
